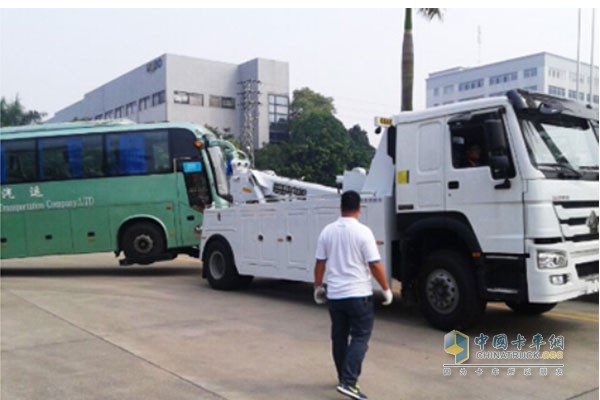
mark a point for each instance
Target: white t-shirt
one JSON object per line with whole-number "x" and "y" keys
{"x": 348, "y": 247}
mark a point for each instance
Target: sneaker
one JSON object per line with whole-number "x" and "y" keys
{"x": 351, "y": 391}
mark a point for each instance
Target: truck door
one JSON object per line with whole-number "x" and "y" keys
{"x": 492, "y": 206}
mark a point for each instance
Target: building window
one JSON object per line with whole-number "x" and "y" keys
{"x": 118, "y": 112}
{"x": 470, "y": 85}
{"x": 449, "y": 89}
{"x": 130, "y": 108}
{"x": 557, "y": 91}
{"x": 556, "y": 73}
{"x": 221, "y": 102}
{"x": 278, "y": 118}
{"x": 143, "y": 103}
{"x": 530, "y": 72}
{"x": 193, "y": 99}
{"x": 511, "y": 76}
{"x": 572, "y": 94}
{"x": 228, "y": 102}
{"x": 108, "y": 115}
{"x": 436, "y": 91}
{"x": 158, "y": 98}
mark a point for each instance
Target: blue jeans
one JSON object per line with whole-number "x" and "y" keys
{"x": 352, "y": 319}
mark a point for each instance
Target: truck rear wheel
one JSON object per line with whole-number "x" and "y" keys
{"x": 221, "y": 271}
{"x": 448, "y": 291}
{"x": 527, "y": 308}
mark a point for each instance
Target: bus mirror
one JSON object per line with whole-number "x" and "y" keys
{"x": 496, "y": 136}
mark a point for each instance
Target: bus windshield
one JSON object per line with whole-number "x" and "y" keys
{"x": 561, "y": 147}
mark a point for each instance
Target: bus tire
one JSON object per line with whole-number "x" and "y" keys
{"x": 448, "y": 293}
{"x": 143, "y": 243}
{"x": 221, "y": 272}
{"x": 527, "y": 308}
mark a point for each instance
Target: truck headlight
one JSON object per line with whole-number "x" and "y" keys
{"x": 552, "y": 259}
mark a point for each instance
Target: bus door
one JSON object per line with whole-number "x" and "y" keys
{"x": 194, "y": 196}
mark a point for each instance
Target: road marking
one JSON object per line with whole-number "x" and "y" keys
{"x": 587, "y": 317}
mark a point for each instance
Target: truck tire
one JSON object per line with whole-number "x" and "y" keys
{"x": 448, "y": 292}
{"x": 221, "y": 271}
{"x": 143, "y": 243}
{"x": 527, "y": 308}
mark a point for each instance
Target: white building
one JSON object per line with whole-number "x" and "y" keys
{"x": 250, "y": 98}
{"x": 541, "y": 72}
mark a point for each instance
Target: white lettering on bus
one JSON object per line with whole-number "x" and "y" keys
{"x": 81, "y": 202}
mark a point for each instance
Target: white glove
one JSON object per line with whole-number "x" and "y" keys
{"x": 320, "y": 295}
{"x": 388, "y": 297}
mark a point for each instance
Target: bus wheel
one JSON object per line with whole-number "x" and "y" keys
{"x": 143, "y": 243}
{"x": 448, "y": 292}
{"x": 221, "y": 271}
{"x": 527, "y": 308}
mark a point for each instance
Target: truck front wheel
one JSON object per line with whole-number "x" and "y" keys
{"x": 221, "y": 271}
{"x": 448, "y": 292}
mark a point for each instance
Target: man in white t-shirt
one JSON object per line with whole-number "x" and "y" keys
{"x": 348, "y": 250}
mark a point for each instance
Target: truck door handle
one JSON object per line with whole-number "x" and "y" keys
{"x": 453, "y": 185}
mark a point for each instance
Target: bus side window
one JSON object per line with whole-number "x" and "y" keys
{"x": 3, "y": 172}
{"x": 92, "y": 157}
{"x": 138, "y": 153}
{"x": 18, "y": 161}
{"x": 54, "y": 159}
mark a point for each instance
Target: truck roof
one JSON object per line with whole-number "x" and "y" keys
{"x": 454, "y": 108}
{"x": 518, "y": 99}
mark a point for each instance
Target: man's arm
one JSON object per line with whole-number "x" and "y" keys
{"x": 319, "y": 272}
{"x": 379, "y": 274}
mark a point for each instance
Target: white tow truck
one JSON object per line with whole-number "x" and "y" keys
{"x": 520, "y": 226}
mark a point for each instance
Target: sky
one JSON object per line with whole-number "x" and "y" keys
{"x": 51, "y": 57}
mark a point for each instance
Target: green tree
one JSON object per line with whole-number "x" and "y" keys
{"x": 362, "y": 151}
{"x": 15, "y": 114}
{"x": 408, "y": 54}
{"x": 305, "y": 100}
{"x": 320, "y": 147}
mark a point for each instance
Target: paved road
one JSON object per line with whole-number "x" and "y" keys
{"x": 80, "y": 327}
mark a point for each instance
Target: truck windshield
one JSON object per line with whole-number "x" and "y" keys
{"x": 561, "y": 147}
{"x": 219, "y": 170}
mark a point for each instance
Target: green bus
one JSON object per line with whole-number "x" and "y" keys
{"x": 84, "y": 187}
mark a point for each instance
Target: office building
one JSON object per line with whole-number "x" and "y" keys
{"x": 246, "y": 100}
{"x": 541, "y": 72}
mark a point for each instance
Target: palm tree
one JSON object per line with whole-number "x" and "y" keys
{"x": 408, "y": 55}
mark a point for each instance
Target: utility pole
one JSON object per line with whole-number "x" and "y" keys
{"x": 250, "y": 103}
{"x": 591, "y": 99}
{"x": 578, "y": 52}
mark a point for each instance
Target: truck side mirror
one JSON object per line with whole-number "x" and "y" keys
{"x": 500, "y": 165}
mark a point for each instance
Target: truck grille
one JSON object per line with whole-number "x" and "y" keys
{"x": 587, "y": 269}
{"x": 578, "y": 220}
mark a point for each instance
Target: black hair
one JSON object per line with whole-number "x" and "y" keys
{"x": 350, "y": 201}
